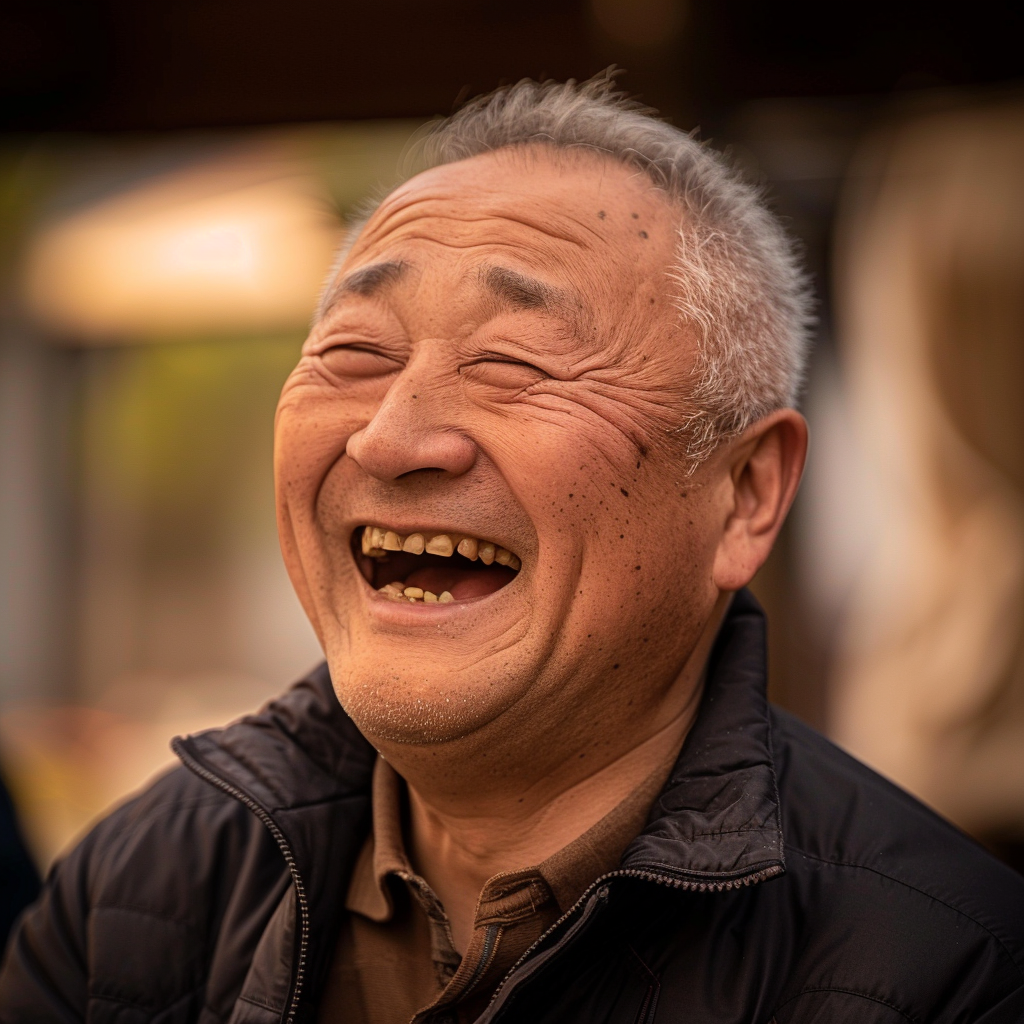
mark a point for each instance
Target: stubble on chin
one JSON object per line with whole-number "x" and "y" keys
{"x": 398, "y": 707}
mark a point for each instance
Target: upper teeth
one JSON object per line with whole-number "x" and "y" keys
{"x": 378, "y": 541}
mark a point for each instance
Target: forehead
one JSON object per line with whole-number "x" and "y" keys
{"x": 578, "y": 213}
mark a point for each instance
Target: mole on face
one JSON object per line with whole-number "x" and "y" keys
{"x": 601, "y": 214}
{"x": 643, "y": 234}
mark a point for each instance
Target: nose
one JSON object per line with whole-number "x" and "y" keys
{"x": 412, "y": 430}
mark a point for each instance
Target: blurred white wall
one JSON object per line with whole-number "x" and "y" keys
{"x": 929, "y": 682}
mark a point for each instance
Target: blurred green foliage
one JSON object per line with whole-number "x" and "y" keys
{"x": 180, "y": 437}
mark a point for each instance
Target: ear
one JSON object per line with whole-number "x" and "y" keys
{"x": 764, "y": 464}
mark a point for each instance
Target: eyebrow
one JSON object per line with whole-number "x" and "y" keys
{"x": 366, "y": 281}
{"x": 522, "y": 292}
{"x": 510, "y": 287}
{"x": 518, "y": 291}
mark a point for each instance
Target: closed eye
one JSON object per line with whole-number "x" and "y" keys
{"x": 508, "y": 374}
{"x": 353, "y": 361}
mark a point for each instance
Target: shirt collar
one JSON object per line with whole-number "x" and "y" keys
{"x": 567, "y": 873}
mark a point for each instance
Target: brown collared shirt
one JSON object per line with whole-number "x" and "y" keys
{"x": 395, "y": 961}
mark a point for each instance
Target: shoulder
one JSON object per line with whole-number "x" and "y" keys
{"x": 165, "y": 863}
{"x": 911, "y": 900}
{"x": 180, "y": 833}
{"x": 132, "y": 915}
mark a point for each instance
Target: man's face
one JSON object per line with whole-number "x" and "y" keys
{"x": 501, "y": 365}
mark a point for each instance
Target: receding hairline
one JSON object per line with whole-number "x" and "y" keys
{"x": 569, "y": 157}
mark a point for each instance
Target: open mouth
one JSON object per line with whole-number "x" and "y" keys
{"x": 432, "y": 568}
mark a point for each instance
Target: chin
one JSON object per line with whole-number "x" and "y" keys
{"x": 406, "y": 706}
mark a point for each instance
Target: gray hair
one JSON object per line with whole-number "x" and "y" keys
{"x": 736, "y": 275}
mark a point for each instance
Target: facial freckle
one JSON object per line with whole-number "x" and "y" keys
{"x": 625, "y": 493}
{"x": 643, "y": 234}
{"x": 636, "y": 216}
{"x": 601, "y": 214}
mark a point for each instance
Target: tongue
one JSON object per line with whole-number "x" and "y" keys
{"x": 462, "y": 584}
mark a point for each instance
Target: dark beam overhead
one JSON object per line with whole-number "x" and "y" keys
{"x": 129, "y": 64}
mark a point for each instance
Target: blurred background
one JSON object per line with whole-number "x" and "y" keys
{"x": 173, "y": 179}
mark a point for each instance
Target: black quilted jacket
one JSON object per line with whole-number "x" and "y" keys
{"x": 777, "y": 880}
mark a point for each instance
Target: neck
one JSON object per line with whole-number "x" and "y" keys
{"x": 462, "y": 836}
{"x": 507, "y": 836}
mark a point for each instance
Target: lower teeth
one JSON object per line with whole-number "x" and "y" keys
{"x": 415, "y": 595}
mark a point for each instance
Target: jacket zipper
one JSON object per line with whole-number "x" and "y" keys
{"x": 485, "y": 956}
{"x": 289, "y": 856}
{"x": 598, "y": 887}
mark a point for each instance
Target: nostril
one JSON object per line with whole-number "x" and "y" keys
{"x": 426, "y": 469}
{"x": 389, "y": 448}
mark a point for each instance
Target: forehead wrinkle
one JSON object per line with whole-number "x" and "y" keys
{"x": 399, "y": 212}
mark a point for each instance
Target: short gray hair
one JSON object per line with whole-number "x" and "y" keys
{"x": 737, "y": 277}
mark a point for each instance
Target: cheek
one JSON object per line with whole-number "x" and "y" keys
{"x": 309, "y": 440}
{"x": 313, "y": 424}
{"x": 643, "y": 538}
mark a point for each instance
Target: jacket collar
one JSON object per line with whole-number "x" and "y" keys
{"x": 302, "y": 760}
{"x": 718, "y": 819}
{"x": 301, "y": 765}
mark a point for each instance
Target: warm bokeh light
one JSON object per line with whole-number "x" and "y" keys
{"x": 238, "y": 246}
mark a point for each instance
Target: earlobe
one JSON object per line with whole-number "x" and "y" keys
{"x": 764, "y": 474}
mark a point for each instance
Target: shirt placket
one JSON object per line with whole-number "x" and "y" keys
{"x": 503, "y": 905}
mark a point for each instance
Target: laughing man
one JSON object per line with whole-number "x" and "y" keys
{"x": 540, "y": 438}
